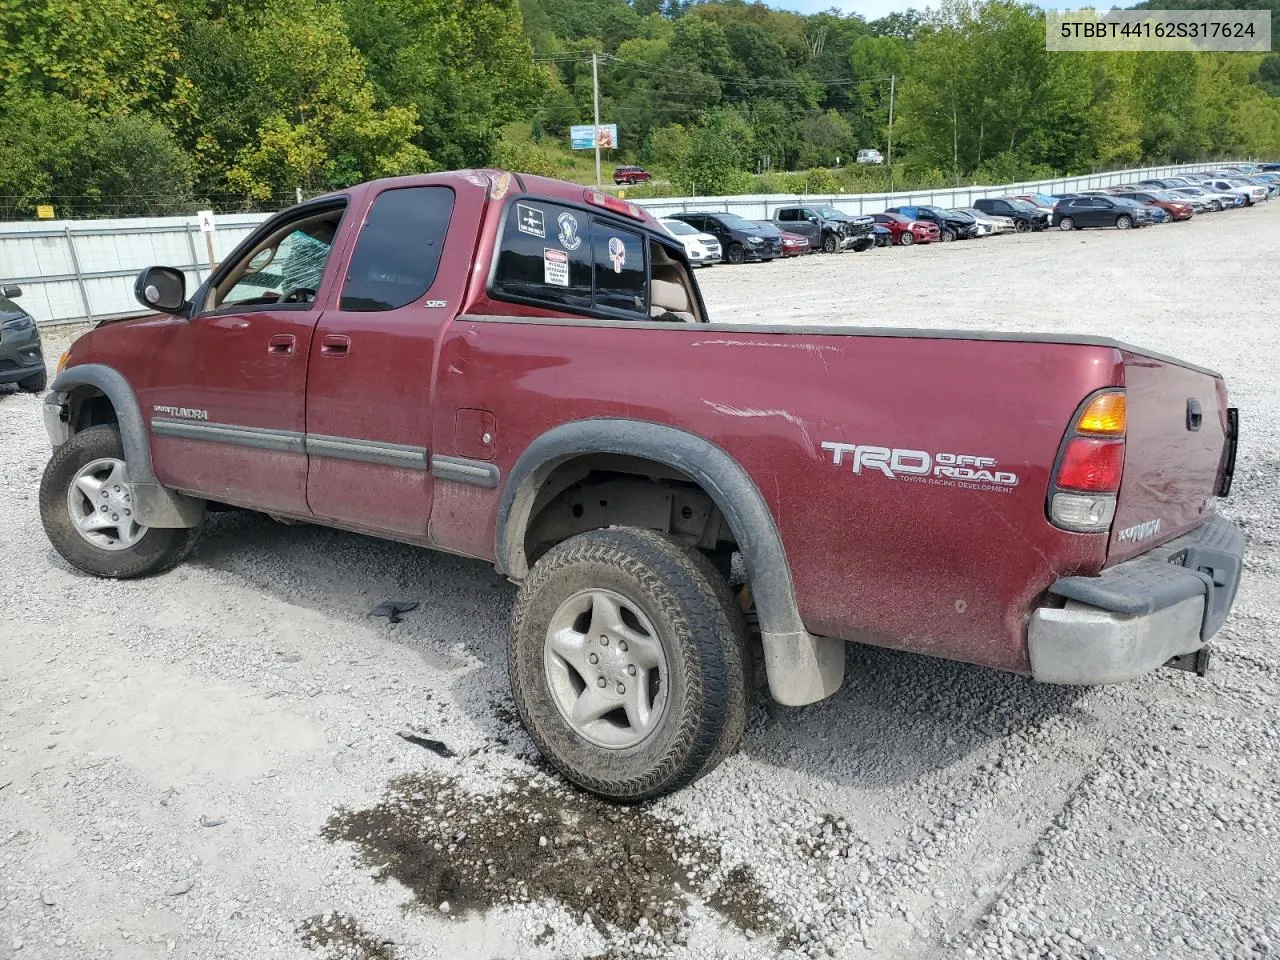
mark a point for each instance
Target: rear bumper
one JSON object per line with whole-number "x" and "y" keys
{"x": 1137, "y": 615}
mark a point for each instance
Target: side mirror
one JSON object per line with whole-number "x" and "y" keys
{"x": 813, "y": 219}
{"x": 10, "y": 291}
{"x": 161, "y": 288}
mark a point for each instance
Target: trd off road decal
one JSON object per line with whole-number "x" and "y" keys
{"x": 917, "y": 466}
{"x": 1139, "y": 531}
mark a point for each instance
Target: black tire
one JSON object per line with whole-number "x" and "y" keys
{"x": 701, "y": 632}
{"x": 1021, "y": 226}
{"x": 736, "y": 254}
{"x": 34, "y": 383}
{"x": 154, "y": 552}
{"x": 830, "y": 243}
{"x": 947, "y": 236}
{"x": 1066, "y": 223}
{"x": 1124, "y": 222}
{"x": 905, "y": 239}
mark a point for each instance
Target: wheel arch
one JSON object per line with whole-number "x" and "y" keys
{"x": 72, "y": 388}
{"x": 157, "y": 505}
{"x": 802, "y": 668}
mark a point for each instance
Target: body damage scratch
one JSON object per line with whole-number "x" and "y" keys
{"x": 730, "y": 411}
{"x": 818, "y": 348}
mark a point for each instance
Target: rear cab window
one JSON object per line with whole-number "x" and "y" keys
{"x": 398, "y": 250}
{"x": 567, "y": 258}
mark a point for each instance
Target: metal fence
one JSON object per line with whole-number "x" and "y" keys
{"x": 84, "y": 269}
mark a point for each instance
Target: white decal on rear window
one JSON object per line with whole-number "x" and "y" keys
{"x": 617, "y": 253}
{"x": 531, "y": 221}
{"x": 555, "y": 267}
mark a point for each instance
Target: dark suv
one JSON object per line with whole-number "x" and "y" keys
{"x": 1025, "y": 217}
{"x": 622, "y": 175}
{"x": 827, "y": 229}
{"x": 951, "y": 226}
{"x": 21, "y": 359}
{"x": 1092, "y": 210}
{"x": 740, "y": 239}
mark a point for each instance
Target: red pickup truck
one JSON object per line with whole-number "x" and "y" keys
{"x": 522, "y": 371}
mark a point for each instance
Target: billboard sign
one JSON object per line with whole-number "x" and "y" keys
{"x": 585, "y": 136}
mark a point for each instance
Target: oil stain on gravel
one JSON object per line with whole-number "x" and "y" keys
{"x": 622, "y": 869}
{"x": 341, "y": 936}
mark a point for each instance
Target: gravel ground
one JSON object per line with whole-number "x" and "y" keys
{"x": 208, "y": 764}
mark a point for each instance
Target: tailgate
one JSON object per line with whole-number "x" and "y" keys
{"x": 1177, "y": 431}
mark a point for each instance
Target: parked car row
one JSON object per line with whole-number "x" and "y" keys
{"x": 812, "y": 228}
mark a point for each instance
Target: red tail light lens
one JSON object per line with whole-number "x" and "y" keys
{"x": 1091, "y": 466}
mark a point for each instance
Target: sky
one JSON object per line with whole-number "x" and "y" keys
{"x": 869, "y": 9}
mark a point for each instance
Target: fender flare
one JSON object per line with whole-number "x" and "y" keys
{"x": 802, "y": 668}
{"x": 133, "y": 434}
{"x": 156, "y": 505}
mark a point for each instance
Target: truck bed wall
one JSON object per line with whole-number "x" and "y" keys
{"x": 916, "y": 562}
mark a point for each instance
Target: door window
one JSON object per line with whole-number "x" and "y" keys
{"x": 787, "y": 216}
{"x": 283, "y": 270}
{"x": 398, "y": 251}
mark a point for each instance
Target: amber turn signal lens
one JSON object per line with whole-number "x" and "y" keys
{"x": 62, "y": 361}
{"x": 1105, "y": 415}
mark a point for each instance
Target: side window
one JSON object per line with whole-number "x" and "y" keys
{"x": 398, "y": 250}
{"x": 284, "y": 269}
{"x": 620, "y": 269}
{"x": 787, "y": 215}
{"x": 545, "y": 255}
{"x": 806, "y": 214}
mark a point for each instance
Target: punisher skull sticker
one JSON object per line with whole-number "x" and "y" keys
{"x": 617, "y": 253}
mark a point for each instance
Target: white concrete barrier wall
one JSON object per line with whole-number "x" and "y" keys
{"x": 84, "y": 269}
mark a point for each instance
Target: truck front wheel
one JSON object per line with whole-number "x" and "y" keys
{"x": 628, "y": 663}
{"x": 87, "y": 507}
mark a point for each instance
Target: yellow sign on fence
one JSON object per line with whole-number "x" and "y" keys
{"x": 44, "y": 211}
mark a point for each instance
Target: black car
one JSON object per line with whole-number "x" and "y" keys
{"x": 1025, "y": 216}
{"x": 21, "y": 357}
{"x": 740, "y": 239}
{"x": 1092, "y": 210}
{"x": 951, "y": 225}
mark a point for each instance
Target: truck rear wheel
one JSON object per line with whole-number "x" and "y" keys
{"x": 87, "y": 504}
{"x": 628, "y": 663}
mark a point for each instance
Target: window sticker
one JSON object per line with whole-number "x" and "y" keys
{"x": 531, "y": 221}
{"x": 569, "y": 238}
{"x": 617, "y": 253}
{"x": 555, "y": 267}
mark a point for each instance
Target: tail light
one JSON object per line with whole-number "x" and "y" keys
{"x": 1090, "y": 464}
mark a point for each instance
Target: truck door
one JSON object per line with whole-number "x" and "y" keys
{"x": 369, "y": 374}
{"x": 226, "y": 405}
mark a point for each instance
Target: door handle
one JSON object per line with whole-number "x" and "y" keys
{"x": 281, "y": 344}
{"x": 334, "y": 346}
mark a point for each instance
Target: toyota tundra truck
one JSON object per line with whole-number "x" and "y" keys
{"x": 523, "y": 371}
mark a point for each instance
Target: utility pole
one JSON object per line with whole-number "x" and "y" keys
{"x": 891, "y": 84}
{"x": 595, "y": 99}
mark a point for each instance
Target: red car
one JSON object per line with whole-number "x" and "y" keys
{"x": 906, "y": 231}
{"x": 631, "y": 175}
{"x": 793, "y": 244}
{"x": 1177, "y": 209}
{"x": 522, "y": 371}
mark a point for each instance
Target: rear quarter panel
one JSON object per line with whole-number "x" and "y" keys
{"x": 948, "y": 570}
